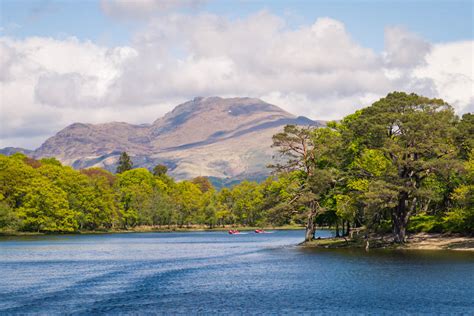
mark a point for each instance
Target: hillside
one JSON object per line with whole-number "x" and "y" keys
{"x": 222, "y": 138}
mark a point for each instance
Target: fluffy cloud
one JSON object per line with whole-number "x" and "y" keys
{"x": 316, "y": 70}
{"x": 450, "y": 66}
{"x": 41, "y": 77}
{"x": 404, "y": 49}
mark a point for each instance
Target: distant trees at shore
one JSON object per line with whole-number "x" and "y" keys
{"x": 44, "y": 196}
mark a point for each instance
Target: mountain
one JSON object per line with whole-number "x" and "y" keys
{"x": 8, "y": 151}
{"x": 216, "y": 137}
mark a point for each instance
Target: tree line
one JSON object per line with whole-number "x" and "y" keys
{"x": 405, "y": 163}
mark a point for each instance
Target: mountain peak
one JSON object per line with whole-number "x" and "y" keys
{"x": 210, "y": 136}
{"x": 202, "y": 115}
{"x": 234, "y": 106}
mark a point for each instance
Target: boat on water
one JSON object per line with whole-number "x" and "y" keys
{"x": 260, "y": 231}
{"x": 234, "y": 232}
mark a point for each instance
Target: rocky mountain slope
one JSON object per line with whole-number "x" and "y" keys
{"x": 217, "y": 137}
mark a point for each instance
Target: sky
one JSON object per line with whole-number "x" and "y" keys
{"x": 134, "y": 60}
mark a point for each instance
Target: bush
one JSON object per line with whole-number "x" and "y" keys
{"x": 425, "y": 223}
{"x": 460, "y": 221}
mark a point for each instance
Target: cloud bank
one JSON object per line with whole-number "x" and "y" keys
{"x": 317, "y": 70}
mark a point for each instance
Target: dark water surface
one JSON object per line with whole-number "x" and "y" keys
{"x": 213, "y": 272}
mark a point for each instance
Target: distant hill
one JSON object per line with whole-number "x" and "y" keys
{"x": 8, "y": 151}
{"x": 215, "y": 137}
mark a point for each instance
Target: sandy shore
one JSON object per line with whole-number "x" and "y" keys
{"x": 438, "y": 242}
{"x": 420, "y": 241}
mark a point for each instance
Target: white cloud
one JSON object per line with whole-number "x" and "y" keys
{"x": 137, "y": 9}
{"x": 451, "y": 68}
{"x": 404, "y": 49}
{"x": 41, "y": 77}
{"x": 317, "y": 70}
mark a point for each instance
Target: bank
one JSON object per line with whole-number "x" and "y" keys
{"x": 419, "y": 241}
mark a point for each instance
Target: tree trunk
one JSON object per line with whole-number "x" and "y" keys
{"x": 348, "y": 230}
{"x": 337, "y": 228}
{"x": 400, "y": 219}
{"x": 310, "y": 226}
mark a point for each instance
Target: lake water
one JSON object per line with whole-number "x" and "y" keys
{"x": 213, "y": 272}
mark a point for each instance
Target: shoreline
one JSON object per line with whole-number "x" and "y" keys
{"x": 419, "y": 241}
{"x": 152, "y": 229}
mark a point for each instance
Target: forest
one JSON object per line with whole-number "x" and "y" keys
{"x": 404, "y": 164}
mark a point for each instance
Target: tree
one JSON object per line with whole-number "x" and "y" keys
{"x": 188, "y": 201}
{"x": 296, "y": 150}
{"x": 124, "y": 163}
{"x": 224, "y": 203}
{"x": 247, "y": 203}
{"x": 160, "y": 170}
{"x": 203, "y": 183}
{"x": 465, "y": 135}
{"x": 8, "y": 217}
{"x": 45, "y": 208}
{"x": 277, "y": 193}
{"x": 415, "y": 134}
{"x": 460, "y": 218}
{"x": 135, "y": 190}
{"x": 310, "y": 154}
{"x": 100, "y": 207}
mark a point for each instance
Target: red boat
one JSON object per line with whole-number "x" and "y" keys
{"x": 234, "y": 232}
{"x": 260, "y": 231}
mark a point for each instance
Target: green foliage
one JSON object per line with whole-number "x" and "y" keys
{"x": 50, "y": 161}
{"x": 8, "y": 218}
{"x": 203, "y": 183}
{"x": 188, "y": 199}
{"x": 460, "y": 217}
{"x": 247, "y": 202}
{"x": 124, "y": 163}
{"x": 404, "y": 142}
{"x": 373, "y": 163}
{"x": 45, "y": 208}
{"x": 426, "y": 223}
{"x": 345, "y": 206}
{"x": 100, "y": 209}
{"x": 465, "y": 135}
{"x": 160, "y": 170}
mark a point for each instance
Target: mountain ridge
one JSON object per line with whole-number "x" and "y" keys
{"x": 205, "y": 136}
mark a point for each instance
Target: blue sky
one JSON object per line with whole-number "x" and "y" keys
{"x": 436, "y": 21}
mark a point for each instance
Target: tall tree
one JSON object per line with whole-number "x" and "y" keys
{"x": 297, "y": 155}
{"x": 310, "y": 154}
{"x": 124, "y": 163}
{"x": 416, "y": 136}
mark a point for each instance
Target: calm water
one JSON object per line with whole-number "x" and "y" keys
{"x": 220, "y": 273}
